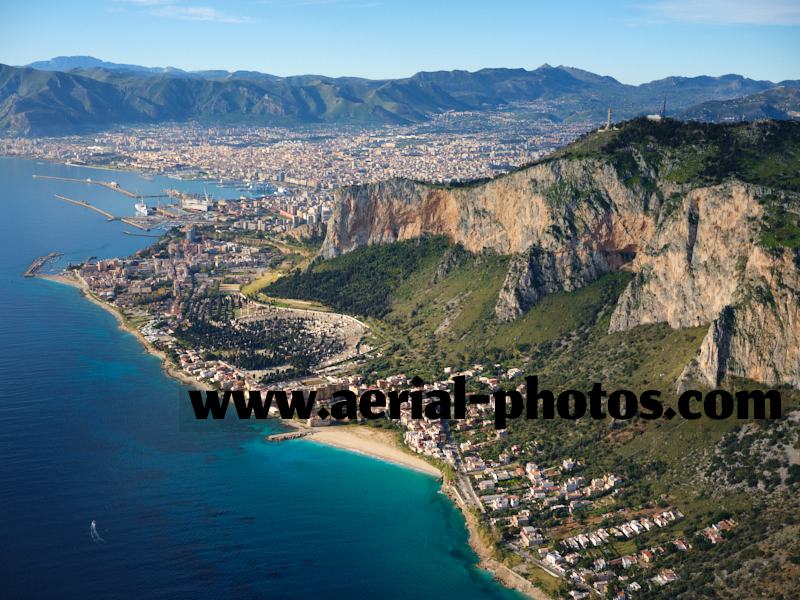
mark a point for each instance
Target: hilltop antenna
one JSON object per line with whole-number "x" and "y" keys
{"x": 608, "y": 120}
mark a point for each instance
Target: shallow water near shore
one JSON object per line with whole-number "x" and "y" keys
{"x": 92, "y": 429}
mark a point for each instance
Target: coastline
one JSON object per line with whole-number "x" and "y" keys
{"x": 379, "y": 445}
{"x": 119, "y": 169}
{"x": 166, "y": 366}
{"x": 373, "y": 443}
{"x": 486, "y": 562}
{"x": 383, "y": 446}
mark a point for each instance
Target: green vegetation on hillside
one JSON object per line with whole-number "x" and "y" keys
{"x": 764, "y": 153}
{"x": 781, "y": 224}
{"x": 364, "y": 281}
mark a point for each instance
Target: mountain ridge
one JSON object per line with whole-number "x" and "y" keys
{"x": 706, "y": 217}
{"x": 68, "y": 63}
{"x": 96, "y": 96}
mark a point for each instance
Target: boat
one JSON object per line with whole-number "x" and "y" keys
{"x": 142, "y": 209}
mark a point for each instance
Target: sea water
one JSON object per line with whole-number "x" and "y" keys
{"x": 91, "y": 429}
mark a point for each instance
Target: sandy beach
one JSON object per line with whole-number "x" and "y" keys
{"x": 384, "y": 446}
{"x": 373, "y": 442}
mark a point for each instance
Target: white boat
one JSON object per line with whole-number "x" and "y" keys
{"x": 142, "y": 209}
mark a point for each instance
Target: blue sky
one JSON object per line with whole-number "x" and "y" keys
{"x": 634, "y": 41}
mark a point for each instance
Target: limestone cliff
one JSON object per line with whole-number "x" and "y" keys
{"x": 568, "y": 221}
{"x": 757, "y": 336}
{"x": 544, "y": 204}
{"x": 704, "y": 265}
{"x": 694, "y": 245}
{"x": 694, "y": 263}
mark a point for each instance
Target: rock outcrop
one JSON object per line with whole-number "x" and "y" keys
{"x": 704, "y": 265}
{"x": 694, "y": 264}
{"x": 546, "y": 204}
{"x": 758, "y": 335}
{"x": 308, "y": 232}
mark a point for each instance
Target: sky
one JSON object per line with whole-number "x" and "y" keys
{"x": 633, "y": 41}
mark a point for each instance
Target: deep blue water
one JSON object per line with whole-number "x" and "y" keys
{"x": 91, "y": 429}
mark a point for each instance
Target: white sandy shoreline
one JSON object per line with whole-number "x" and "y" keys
{"x": 371, "y": 442}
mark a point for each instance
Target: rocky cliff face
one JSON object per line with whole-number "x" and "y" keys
{"x": 567, "y": 221}
{"x": 386, "y": 212}
{"x": 704, "y": 265}
{"x": 757, "y": 335}
{"x": 694, "y": 251}
{"x": 694, "y": 263}
{"x": 544, "y": 205}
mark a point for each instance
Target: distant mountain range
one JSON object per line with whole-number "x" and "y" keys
{"x": 68, "y": 95}
{"x": 68, "y": 63}
{"x": 782, "y": 103}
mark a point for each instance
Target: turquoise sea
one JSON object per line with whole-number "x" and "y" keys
{"x": 92, "y": 429}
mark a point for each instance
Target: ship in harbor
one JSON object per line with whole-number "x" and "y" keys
{"x": 142, "y": 210}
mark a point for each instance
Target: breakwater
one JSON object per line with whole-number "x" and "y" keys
{"x": 111, "y": 185}
{"x": 40, "y": 262}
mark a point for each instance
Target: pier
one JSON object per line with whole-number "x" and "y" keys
{"x": 147, "y": 235}
{"x": 111, "y": 185}
{"x": 106, "y": 214}
{"x": 133, "y": 223}
{"x": 37, "y": 264}
{"x": 289, "y": 435}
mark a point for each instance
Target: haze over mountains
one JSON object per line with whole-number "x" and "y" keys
{"x": 67, "y": 63}
{"x": 69, "y": 95}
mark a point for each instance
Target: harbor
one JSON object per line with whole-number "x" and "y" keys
{"x": 84, "y": 204}
{"x": 40, "y": 262}
{"x": 105, "y": 213}
{"x": 146, "y": 235}
{"x": 133, "y": 223}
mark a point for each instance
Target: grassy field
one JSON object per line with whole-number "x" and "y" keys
{"x": 261, "y": 282}
{"x": 543, "y": 580}
{"x": 294, "y": 257}
{"x": 291, "y": 303}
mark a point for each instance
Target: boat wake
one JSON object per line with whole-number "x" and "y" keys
{"x": 93, "y": 532}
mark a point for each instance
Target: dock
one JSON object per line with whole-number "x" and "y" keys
{"x": 289, "y": 435}
{"x": 161, "y": 210}
{"x": 133, "y": 223}
{"x": 105, "y": 213}
{"x": 41, "y": 261}
{"x": 147, "y": 235}
{"x": 111, "y": 185}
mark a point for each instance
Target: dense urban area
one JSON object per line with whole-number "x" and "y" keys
{"x": 452, "y": 146}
